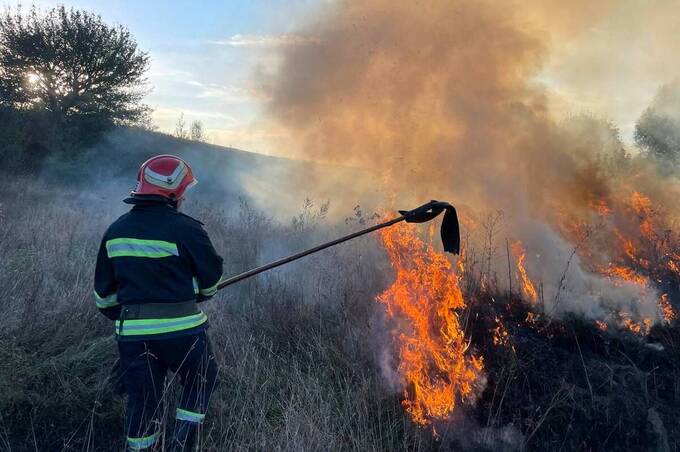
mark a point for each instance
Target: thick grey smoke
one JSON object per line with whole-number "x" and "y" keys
{"x": 440, "y": 100}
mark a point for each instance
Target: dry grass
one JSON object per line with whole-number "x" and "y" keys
{"x": 299, "y": 347}
{"x": 296, "y": 347}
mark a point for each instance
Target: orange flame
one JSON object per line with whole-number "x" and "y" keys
{"x": 528, "y": 288}
{"x": 601, "y": 325}
{"x": 641, "y": 203}
{"x": 500, "y": 334}
{"x": 501, "y": 337}
{"x": 667, "y": 311}
{"x": 625, "y": 274}
{"x": 424, "y": 301}
{"x": 628, "y": 246}
{"x": 641, "y": 329}
{"x": 531, "y": 318}
{"x": 600, "y": 206}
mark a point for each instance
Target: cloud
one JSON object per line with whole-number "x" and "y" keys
{"x": 159, "y": 71}
{"x": 232, "y": 94}
{"x": 247, "y": 40}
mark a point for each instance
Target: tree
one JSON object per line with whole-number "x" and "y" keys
{"x": 72, "y": 65}
{"x": 657, "y": 131}
{"x": 196, "y": 132}
{"x": 659, "y": 136}
{"x": 181, "y": 128}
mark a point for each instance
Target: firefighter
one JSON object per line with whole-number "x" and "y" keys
{"x": 154, "y": 268}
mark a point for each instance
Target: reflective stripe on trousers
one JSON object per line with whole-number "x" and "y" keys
{"x": 143, "y": 442}
{"x": 190, "y": 416}
{"x": 145, "y": 364}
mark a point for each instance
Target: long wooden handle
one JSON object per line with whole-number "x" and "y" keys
{"x": 234, "y": 279}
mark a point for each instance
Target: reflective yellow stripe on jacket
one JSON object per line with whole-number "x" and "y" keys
{"x": 140, "y": 327}
{"x": 128, "y": 247}
{"x": 209, "y": 292}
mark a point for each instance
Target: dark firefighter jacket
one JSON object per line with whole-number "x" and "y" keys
{"x": 154, "y": 265}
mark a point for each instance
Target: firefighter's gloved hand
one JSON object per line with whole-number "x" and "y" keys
{"x": 112, "y": 313}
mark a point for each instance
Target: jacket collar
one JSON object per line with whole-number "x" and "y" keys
{"x": 150, "y": 201}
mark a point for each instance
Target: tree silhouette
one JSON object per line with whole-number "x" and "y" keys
{"x": 196, "y": 132}
{"x": 181, "y": 131}
{"x": 657, "y": 131}
{"x": 71, "y": 64}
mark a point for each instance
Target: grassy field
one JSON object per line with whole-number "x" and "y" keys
{"x": 297, "y": 348}
{"x": 301, "y": 349}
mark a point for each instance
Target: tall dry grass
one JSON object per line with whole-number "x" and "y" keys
{"x": 297, "y": 347}
{"x": 300, "y": 347}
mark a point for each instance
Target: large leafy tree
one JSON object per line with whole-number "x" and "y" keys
{"x": 71, "y": 64}
{"x": 657, "y": 131}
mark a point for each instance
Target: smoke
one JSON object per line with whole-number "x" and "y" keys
{"x": 667, "y": 102}
{"x": 438, "y": 97}
{"x": 613, "y": 65}
{"x": 424, "y": 94}
{"x": 440, "y": 100}
{"x": 105, "y": 173}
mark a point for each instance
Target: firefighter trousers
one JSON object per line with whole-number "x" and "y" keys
{"x": 144, "y": 365}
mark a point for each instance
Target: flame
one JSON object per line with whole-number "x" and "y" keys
{"x": 601, "y": 207}
{"x": 641, "y": 203}
{"x": 639, "y": 328}
{"x": 531, "y": 318}
{"x": 601, "y": 325}
{"x": 500, "y": 334}
{"x": 501, "y": 337}
{"x": 528, "y": 288}
{"x": 636, "y": 245}
{"x": 667, "y": 311}
{"x": 625, "y": 274}
{"x": 432, "y": 350}
{"x": 629, "y": 248}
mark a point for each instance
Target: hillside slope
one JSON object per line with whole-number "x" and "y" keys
{"x": 277, "y": 185}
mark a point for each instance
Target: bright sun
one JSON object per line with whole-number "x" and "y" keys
{"x": 33, "y": 78}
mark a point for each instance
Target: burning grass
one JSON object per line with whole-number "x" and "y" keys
{"x": 301, "y": 349}
{"x": 528, "y": 288}
{"x": 424, "y": 303}
{"x": 573, "y": 384}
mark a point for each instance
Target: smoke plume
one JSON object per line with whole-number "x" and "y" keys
{"x": 440, "y": 100}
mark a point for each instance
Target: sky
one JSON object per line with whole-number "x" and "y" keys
{"x": 205, "y": 54}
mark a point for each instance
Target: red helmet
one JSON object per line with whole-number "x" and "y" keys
{"x": 164, "y": 175}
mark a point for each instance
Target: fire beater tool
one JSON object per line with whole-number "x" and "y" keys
{"x": 450, "y": 234}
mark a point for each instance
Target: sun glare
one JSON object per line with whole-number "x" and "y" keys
{"x": 32, "y": 78}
